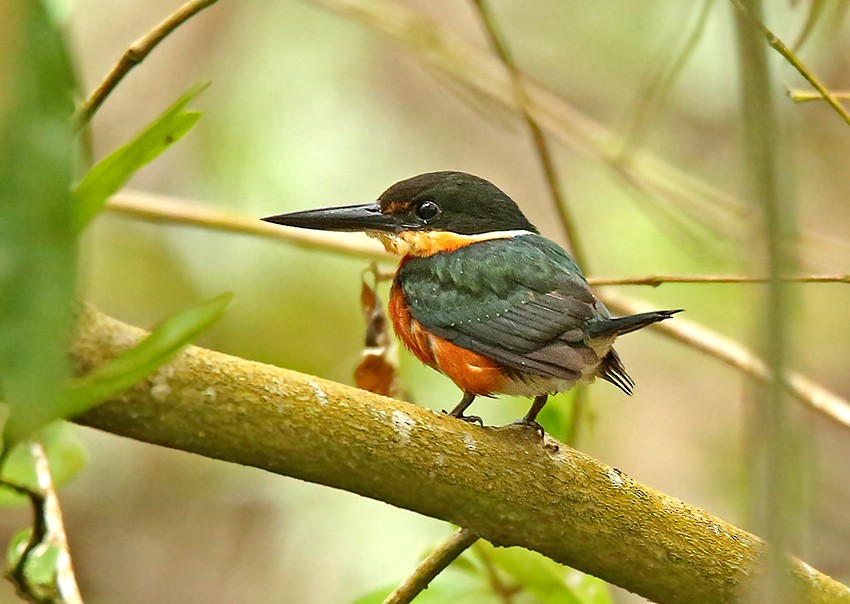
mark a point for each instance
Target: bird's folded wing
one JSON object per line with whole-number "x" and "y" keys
{"x": 522, "y": 303}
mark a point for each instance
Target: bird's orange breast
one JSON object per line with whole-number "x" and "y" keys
{"x": 471, "y": 371}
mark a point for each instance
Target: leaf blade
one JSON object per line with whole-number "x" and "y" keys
{"x": 113, "y": 171}
{"x": 163, "y": 343}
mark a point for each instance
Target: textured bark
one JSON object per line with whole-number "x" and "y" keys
{"x": 501, "y": 483}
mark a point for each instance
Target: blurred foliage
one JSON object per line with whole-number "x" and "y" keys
{"x": 39, "y": 223}
{"x": 67, "y": 457}
{"x": 492, "y": 575}
{"x": 40, "y": 567}
{"x": 163, "y": 343}
{"x": 37, "y": 243}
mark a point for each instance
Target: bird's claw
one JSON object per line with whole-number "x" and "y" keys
{"x": 470, "y": 419}
{"x": 531, "y": 424}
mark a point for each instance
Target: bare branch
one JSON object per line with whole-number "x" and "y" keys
{"x": 804, "y": 96}
{"x": 66, "y": 582}
{"x": 135, "y": 54}
{"x": 502, "y": 484}
{"x": 656, "y": 280}
{"x": 779, "y": 46}
{"x": 436, "y": 562}
{"x": 810, "y": 393}
{"x": 48, "y": 530}
{"x": 176, "y": 210}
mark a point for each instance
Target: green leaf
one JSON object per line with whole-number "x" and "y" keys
{"x": 588, "y": 589}
{"x": 535, "y": 573}
{"x": 65, "y": 453}
{"x": 110, "y": 174}
{"x": 163, "y": 343}
{"x": 41, "y": 568}
{"x": 559, "y": 414}
{"x": 37, "y": 239}
{"x": 158, "y": 348}
{"x": 548, "y": 581}
{"x": 375, "y": 597}
{"x": 17, "y": 545}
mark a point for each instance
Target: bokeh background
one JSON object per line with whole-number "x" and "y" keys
{"x": 310, "y": 107}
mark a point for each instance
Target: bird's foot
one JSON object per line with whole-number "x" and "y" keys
{"x": 531, "y": 424}
{"x": 470, "y": 419}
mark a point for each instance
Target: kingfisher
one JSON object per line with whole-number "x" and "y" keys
{"x": 481, "y": 296}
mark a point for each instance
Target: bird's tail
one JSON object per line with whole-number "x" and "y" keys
{"x": 622, "y": 325}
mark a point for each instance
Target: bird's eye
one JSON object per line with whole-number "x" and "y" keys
{"x": 427, "y": 210}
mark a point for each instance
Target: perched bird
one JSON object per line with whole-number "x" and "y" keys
{"x": 480, "y": 295}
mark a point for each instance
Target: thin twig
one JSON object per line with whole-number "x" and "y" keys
{"x": 662, "y": 82}
{"x": 805, "y": 96}
{"x": 66, "y": 582}
{"x": 776, "y": 44}
{"x": 730, "y": 352}
{"x": 177, "y": 210}
{"x": 135, "y": 54}
{"x": 433, "y": 565}
{"x": 541, "y": 145}
{"x": 656, "y": 280}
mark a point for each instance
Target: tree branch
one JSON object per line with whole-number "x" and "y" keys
{"x": 135, "y": 54}
{"x": 779, "y": 46}
{"x": 656, "y": 280}
{"x": 732, "y": 353}
{"x": 175, "y": 210}
{"x": 805, "y": 96}
{"x": 500, "y": 483}
{"x": 436, "y": 562}
{"x": 66, "y": 582}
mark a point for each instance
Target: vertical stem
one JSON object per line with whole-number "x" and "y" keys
{"x": 66, "y": 581}
{"x": 773, "y": 476}
{"x": 541, "y": 145}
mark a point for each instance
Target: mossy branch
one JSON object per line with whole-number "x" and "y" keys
{"x": 503, "y": 484}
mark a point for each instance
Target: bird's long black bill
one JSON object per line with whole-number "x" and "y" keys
{"x": 361, "y": 217}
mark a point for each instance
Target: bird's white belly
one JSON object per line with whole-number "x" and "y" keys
{"x": 535, "y": 385}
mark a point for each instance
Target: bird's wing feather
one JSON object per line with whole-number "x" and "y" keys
{"x": 522, "y": 302}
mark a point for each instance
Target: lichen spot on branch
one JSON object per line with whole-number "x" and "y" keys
{"x": 403, "y": 425}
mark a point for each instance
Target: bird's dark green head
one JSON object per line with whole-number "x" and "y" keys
{"x": 449, "y": 202}
{"x": 455, "y": 202}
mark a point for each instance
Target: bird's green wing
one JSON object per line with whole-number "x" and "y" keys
{"x": 522, "y": 302}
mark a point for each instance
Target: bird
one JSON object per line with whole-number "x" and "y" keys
{"x": 481, "y": 296}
